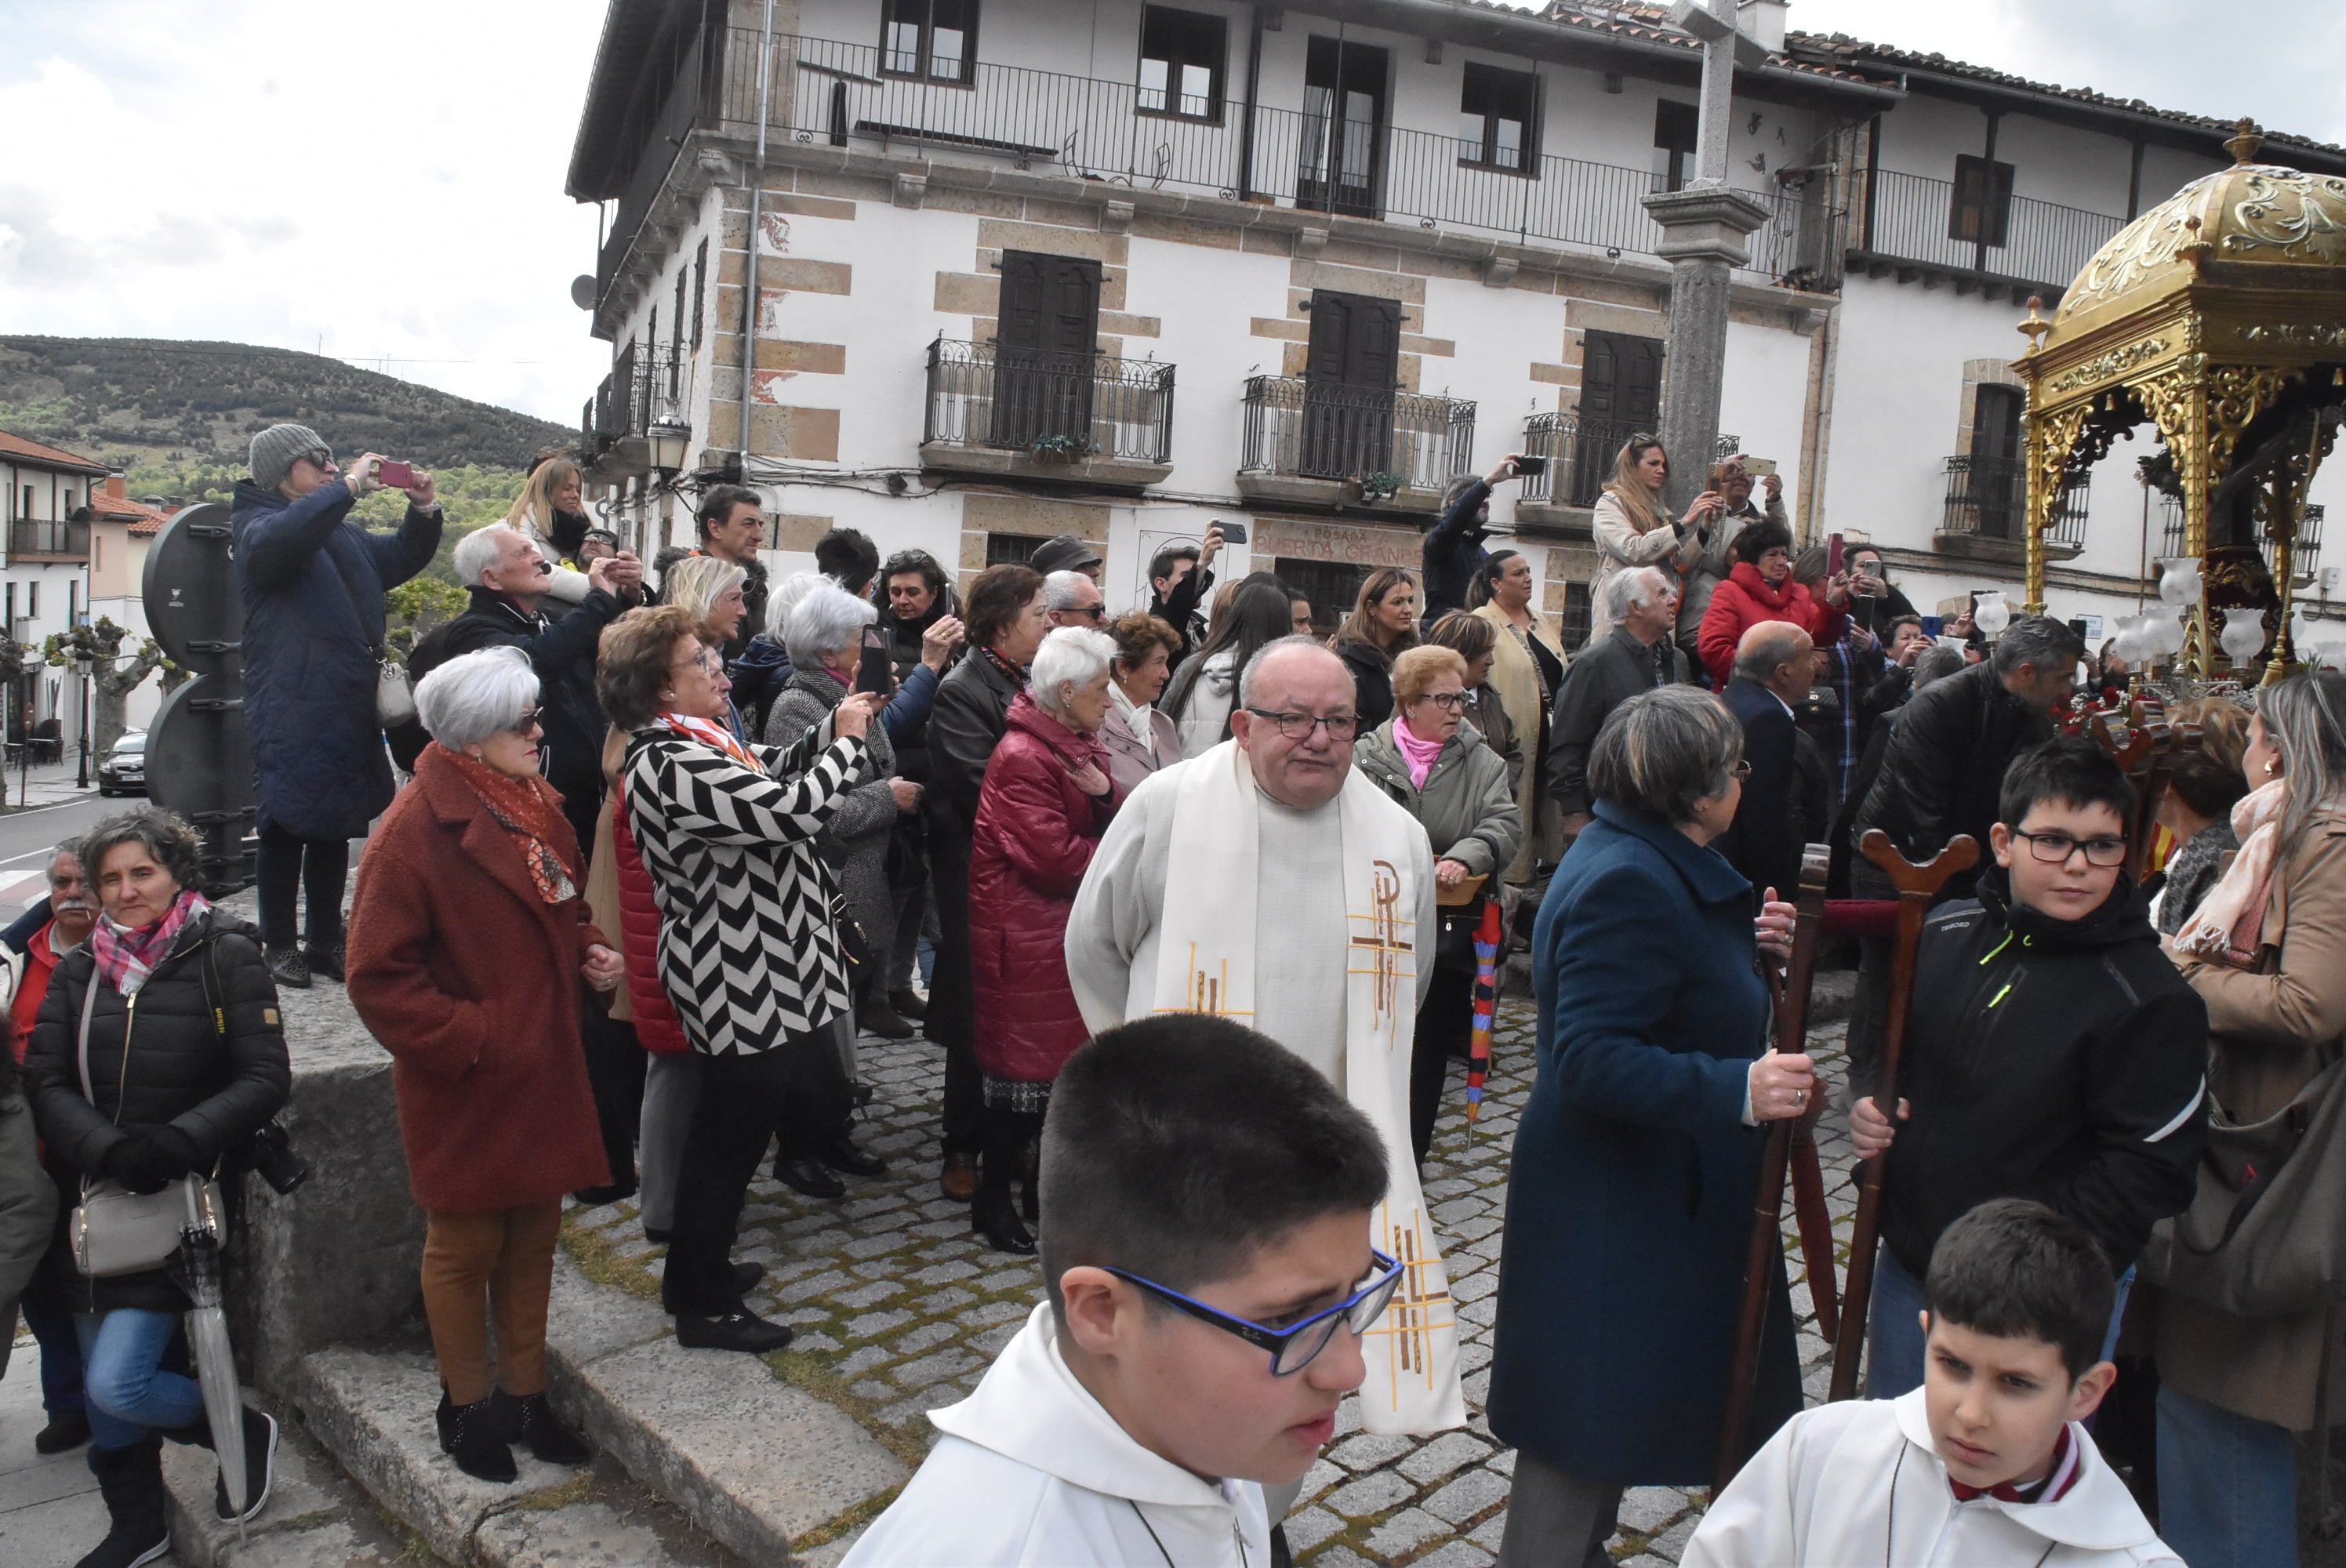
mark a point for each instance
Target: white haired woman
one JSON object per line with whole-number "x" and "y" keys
{"x": 711, "y": 590}
{"x": 1048, "y": 796}
{"x": 470, "y": 939}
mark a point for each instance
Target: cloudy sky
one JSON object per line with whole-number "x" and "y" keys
{"x": 384, "y": 182}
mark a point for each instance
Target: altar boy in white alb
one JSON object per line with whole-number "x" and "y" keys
{"x": 1265, "y": 882}
{"x": 1987, "y": 1463}
{"x": 1200, "y": 1331}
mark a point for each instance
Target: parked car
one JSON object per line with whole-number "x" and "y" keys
{"x": 124, "y": 771}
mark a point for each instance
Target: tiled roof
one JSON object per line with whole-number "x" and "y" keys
{"x": 1649, "y": 23}
{"x": 18, "y": 449}
{"x": 144, "y": 520}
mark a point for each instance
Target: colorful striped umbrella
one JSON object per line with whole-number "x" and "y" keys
{"x": 1486, "y": 994}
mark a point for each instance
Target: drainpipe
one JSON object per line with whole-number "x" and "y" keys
{"x": 757, "y": 194}
{"x": 1246, "y": 126}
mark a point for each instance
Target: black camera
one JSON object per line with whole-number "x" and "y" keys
{"x": 270, "y": 1155}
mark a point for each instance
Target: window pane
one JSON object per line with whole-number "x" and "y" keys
{"x": 946, "y": 45}
{"x": 1470, "y": 133}
{"x": 1197, "y": 90}
{"x": 1153, "y": 78}
{"x": 1509, "y": 151}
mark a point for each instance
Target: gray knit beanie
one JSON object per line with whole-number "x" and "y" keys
{"x": 276, "y": 449}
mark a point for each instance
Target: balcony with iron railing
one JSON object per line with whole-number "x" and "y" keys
{"x": 1986, "y": 513}
{"x": 825, "y": 92}
{"x": 1580, "y": 456}
{"x": 41, "y": 540}
{"x": 644, "y": 384}
{"x": 2305, "y": 558}
{"x": 1330, "y": 444}
{"x": 1094, "y": 418}
{"x": 1912, "y": 224}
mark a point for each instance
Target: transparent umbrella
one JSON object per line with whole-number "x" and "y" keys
{"x": 197, "y": 1267}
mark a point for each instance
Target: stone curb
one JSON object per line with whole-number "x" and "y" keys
{"x": 314, "y": 1519}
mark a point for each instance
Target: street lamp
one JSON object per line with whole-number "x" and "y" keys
{"x": 670, "y": 437}
{"x": 82, "y": 660}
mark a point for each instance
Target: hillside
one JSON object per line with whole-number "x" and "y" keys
{"x": 140, "y": 401}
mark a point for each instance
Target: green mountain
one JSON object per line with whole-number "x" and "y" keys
{"x": 144, "y": 401}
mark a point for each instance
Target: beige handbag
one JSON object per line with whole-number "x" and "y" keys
{"x": 115, "y": 1231}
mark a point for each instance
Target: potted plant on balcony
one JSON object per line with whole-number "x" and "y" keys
{"x": 1062, "y": 449}
{"x": 1373, "y": 487}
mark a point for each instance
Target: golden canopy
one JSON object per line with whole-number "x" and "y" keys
{"x": 2219, "y": 317}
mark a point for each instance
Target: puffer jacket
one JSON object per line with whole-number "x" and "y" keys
{"x": 313, "y": 581}
{"x": 657, "y": 1029}
{"x": 1466, "y": 805}
{"x": 1035, "y": 837}
{"x": 1745, "y": 600}
{"x": 156, "y": 1059}
{"x": 1943, "y": 770}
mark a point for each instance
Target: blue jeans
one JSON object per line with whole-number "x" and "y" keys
{"x": 1894, "y": 1339}
{"x": 2226, "y": 1486}
{"x": 53, "y": 1330}
{"x": 123, "y": 1378}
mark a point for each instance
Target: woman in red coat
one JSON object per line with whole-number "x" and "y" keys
{"x": 468, "y": 938}
{"x": 1760, "y": 588}
{"x": 1047, "y": 798}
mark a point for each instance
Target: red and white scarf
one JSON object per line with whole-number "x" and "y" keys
{"x": 125, "y": 957}
{"x": 711, "y": 735}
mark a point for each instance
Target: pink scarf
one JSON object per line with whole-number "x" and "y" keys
{"x": 710, "y": 735}
{"x": 1419, "y": 755}
{"x": 2228, "y": 924}
{"x": 125, "y": 957}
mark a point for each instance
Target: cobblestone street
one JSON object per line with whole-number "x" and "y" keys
{"x": 898, "y": 1309}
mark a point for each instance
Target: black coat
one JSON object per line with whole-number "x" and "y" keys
{"x": 1452, "y": 553}
{"x": 1371, "y": 670}
{"x": 1178, "y": 610}
{"x": 218, "y": 1089}
{"x": 1764, "y": 840}
{"x": 1943, "y": 768}
{"x": 2061, "y": 1061}
{"x": 973, "y": 708}
{"x": 1600, "y": 680}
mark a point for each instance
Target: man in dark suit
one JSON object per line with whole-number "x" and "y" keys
{"x": 1637, "y": 656}
{"x": 1774, "y": 664}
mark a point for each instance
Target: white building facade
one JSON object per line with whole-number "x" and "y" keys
{"x": 1031, "y": 267}
{"x": 44, "y": 581}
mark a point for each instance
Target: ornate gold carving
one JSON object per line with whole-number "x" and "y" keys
{"x": 2051, "y": 437}
{"x": 2103, "y": 366}
{"x": 2299, "y": 334}
{"x": 2249, "y": 212}
{"x": 2296, "y": 216}
{"x": 2143, "y": 247}
{"x": 2236, "y": 395}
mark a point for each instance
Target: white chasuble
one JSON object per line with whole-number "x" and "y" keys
{"x": 1206, "y": 962}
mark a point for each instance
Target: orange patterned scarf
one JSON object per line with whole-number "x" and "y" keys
{"x": 530, "y": 812}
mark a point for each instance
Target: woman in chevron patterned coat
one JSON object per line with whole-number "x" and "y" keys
{"x": 747, "y": 948}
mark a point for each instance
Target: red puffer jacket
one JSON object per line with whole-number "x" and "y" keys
{"x": 1745, "y": 600}
{"x": 1035, "y": 835}
{"x": 657, "y": 1029}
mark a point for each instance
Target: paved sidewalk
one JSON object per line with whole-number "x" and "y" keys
{"x": 900, "y": 1309}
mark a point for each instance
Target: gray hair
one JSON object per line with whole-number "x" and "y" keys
{"x": 66, "y": 847}
{"x": 481, "y": 549}
{"x": 1662, "y": 751}
{"x": 1936, "y": 663}
{"x": 169, "y": 841}
{"x": 697, "y": 582}
{"x": 1061, "y": 589}
{"x": 786, "y": 596}
{"x": 1250, "y": 677}
{"x": 1764, "y": 644}
{"x": 2039, "y": 642}
{"x": 2305, "y": 719}
{"x": 1074, "y": 654}
{"x": 1638, "y": 585}
{"x": 472, "y": 697}
{"x": 827, "y": 618}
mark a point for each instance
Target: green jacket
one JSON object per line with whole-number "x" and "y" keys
{"x": 1467, "y": 806}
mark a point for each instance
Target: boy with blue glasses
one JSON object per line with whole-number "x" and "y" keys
{"x": 1207, "y": 1258}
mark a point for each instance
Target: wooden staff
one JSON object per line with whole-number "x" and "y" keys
{"x": 1917, "y": 886}
{"x": 1815, "y": 1221}
{"x": 1767, "y": 1215}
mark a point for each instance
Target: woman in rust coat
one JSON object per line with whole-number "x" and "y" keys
{"x": 468, "y": 938}
{"x": 1048, "y": 797}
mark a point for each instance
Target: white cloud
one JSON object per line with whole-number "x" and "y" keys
{"x": 383, "y": 182}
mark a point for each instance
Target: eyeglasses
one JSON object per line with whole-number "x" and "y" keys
{"x": 1089, "y": 612}
{"x": 1295, "y": 1347}
{"x": 526, "y": 722}
{"x": 1300, "y": 726}
{"x": 1741, "y": 770}
{"x": 2055, "y": 849}
{"x": 1448, "y": 701}
{"x": 705, "y": 662}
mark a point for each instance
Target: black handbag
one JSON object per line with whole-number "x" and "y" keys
{"x": 1454, "y": 941}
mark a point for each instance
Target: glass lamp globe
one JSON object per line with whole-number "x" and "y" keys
{"x": 1992, "y": 615}
{"x": 2178, "y": 579}
{"x": 2244, "y": 634}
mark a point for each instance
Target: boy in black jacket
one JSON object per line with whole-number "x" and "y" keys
{"x": 2053, "y": 1051}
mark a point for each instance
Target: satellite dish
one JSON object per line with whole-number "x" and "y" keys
{"x": 581, "y": 290}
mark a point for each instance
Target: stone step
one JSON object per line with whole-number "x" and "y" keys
{"x": 315, "y": 1517}
{"x": 759, "y": 1468}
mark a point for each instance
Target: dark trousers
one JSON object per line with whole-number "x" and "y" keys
{"x": 615, "y": 1072}
{"x": 1008, "y": 1135}
{"x": 953, "y": 1008}
{"x": 52, "y": 1324}
{"x": 317, "y": 868}
{"x": 795, "y": 1089}
{"x": 1446, "y": 1023}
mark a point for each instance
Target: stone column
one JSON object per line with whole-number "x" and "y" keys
{"x": 1703, "y": 230}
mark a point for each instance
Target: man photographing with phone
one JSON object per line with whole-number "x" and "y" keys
{"x": 1178, "y": 580}
{"x": 1452, "y": 553}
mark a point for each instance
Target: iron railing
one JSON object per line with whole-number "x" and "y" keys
{"x": 1063, "y": 405}
{"x": 824, "y": 91}
{"x": 1580, "y": 456}
{"x": 1987, "y": 498}
{"x": 642, "y": 385}
{"x": 32, "y": 536}
{"x": 1912, "y": 216}
{"x": 1331, "y": 430}
{"x": 2305, "y": 557}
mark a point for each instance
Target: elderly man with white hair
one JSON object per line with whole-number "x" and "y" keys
{"x": 1049, "y": 795}
{"x": 1636, "y": 655}
{"x": 1781, "y": 809}
{"x": 1267, "y": 881}
{"x": 1073, "y": 599}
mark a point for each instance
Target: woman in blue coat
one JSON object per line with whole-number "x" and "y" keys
{"x": 313, "y": 580}
{"x": 1638, "y": 1159}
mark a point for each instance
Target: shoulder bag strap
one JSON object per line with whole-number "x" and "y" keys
{"x": 88, "y": 1007}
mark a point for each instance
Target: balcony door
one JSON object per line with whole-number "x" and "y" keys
{"x": 1997, "y": 488}
{"x": 1620, "y": 395}
{"x": 1343, "y": 128}
{"x": 1044, "y": 348}
{"x": 1350, "y": 376}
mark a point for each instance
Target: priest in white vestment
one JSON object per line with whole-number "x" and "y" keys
{"x": 1266, "y": 881}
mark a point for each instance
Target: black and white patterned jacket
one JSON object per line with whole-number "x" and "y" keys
{"x": 748, "y": 952}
